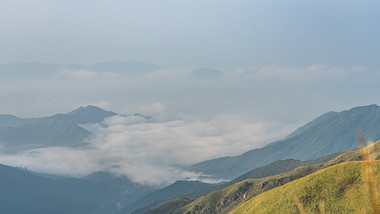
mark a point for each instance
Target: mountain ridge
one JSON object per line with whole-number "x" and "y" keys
{"x": 44, "y": 70}
{"x": 329, "y": 133}
{"x": 231, "y": 197}
{"x": 83, "y": 115}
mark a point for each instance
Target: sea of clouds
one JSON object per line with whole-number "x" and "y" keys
{"x": 150, "y": 153}
{"x": 194, "y": 118}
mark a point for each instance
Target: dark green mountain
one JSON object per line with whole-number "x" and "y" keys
{"x": 24, "y": 192}
{"x": 129, "y": 191}
{"x": 164, "y": 195}
{"x": 330, "y": 133}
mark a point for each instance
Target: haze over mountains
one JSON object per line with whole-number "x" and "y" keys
{"x": 147, "y": 150}
{"x": 118, "y": 107}
{"x": 89, "y": 152}
{"x": 18, "y": 134}
{"x": 90, "y": 126}
{"x": 43, "y": 70}
{"x": 329, "y": 133}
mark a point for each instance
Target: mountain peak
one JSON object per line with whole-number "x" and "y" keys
{"x": 363, "y": 109}
{"x": 132, "y": 68}
{"x": 87, "y": 114}
{"x": 88, "y": 108}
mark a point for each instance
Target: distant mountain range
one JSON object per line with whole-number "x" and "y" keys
{"x": 206, "y": 73}
{"x": 84, "y": 115}
{"x": 58, "y": 130}
{"x": 24, "y": 192}
{"x": 329, "y": 133}
{"x": 37, "y": 69}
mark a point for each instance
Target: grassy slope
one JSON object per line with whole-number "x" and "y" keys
{"x": 281, "y": 166}
{"x": 229, "y": 198}
{"x": 274, "y": 168}
{"x": 171, "y": 207}
{"x": 225, "y": 200}
{"x": 336, "y": 189}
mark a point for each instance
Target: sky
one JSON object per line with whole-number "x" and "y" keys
{"x": 192, "y": 33}
{"x": 274, "y": 64}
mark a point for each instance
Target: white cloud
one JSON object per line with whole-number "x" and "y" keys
{"x": 154, "y": 109}
{"x": 151, "y": 153}
{"x": 159, "y": 150}
{"x": 80, "y": 73}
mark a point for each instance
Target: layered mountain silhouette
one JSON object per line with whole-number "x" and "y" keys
{"x": 83, "y": 115}
{"x": 25, "y": 192}
{"x": 329, "y": 133}
{"x": 131, "y": 68}
{"x": 102, "y": 192}
{"x": 58, "y": 130}
{"x": 206, "y": 73}
{"x": 44, "y": 70}
{"x": 160, "y": 196}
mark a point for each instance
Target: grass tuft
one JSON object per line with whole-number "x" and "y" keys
{"x": 369, "y": 172}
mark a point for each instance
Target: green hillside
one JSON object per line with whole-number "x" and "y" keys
{"x": 274, "y": 168}
{"x": 229, "y": 198}
{"x": 337, "y": 189}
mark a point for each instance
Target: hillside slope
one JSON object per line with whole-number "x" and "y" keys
{"x": 24, "y": 192}
{"x": 160, "y": 196}
{"x": 229, "y": 198}
{"x": 337, "y": 189}
{"x": 330, "y": 133}
{"x": 274, "y": 168}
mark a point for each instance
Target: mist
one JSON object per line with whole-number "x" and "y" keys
{"x": 154, "y": 153}
{"x": 194, "y": 117}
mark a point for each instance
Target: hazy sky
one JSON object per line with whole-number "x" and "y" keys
{"x": 300, "y": 56}
{"x": 192, "y": 33}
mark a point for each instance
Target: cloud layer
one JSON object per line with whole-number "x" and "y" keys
{"x": 285, "y": 94}
{"x": 194, "y": 118}
{"x": 150, "y": 153}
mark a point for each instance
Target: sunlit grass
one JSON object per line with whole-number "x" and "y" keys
{"x": 350, "y": 187}
{"x": 369, "y": 165}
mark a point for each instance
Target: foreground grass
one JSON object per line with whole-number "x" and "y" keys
{"x": 337, "y": 189}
